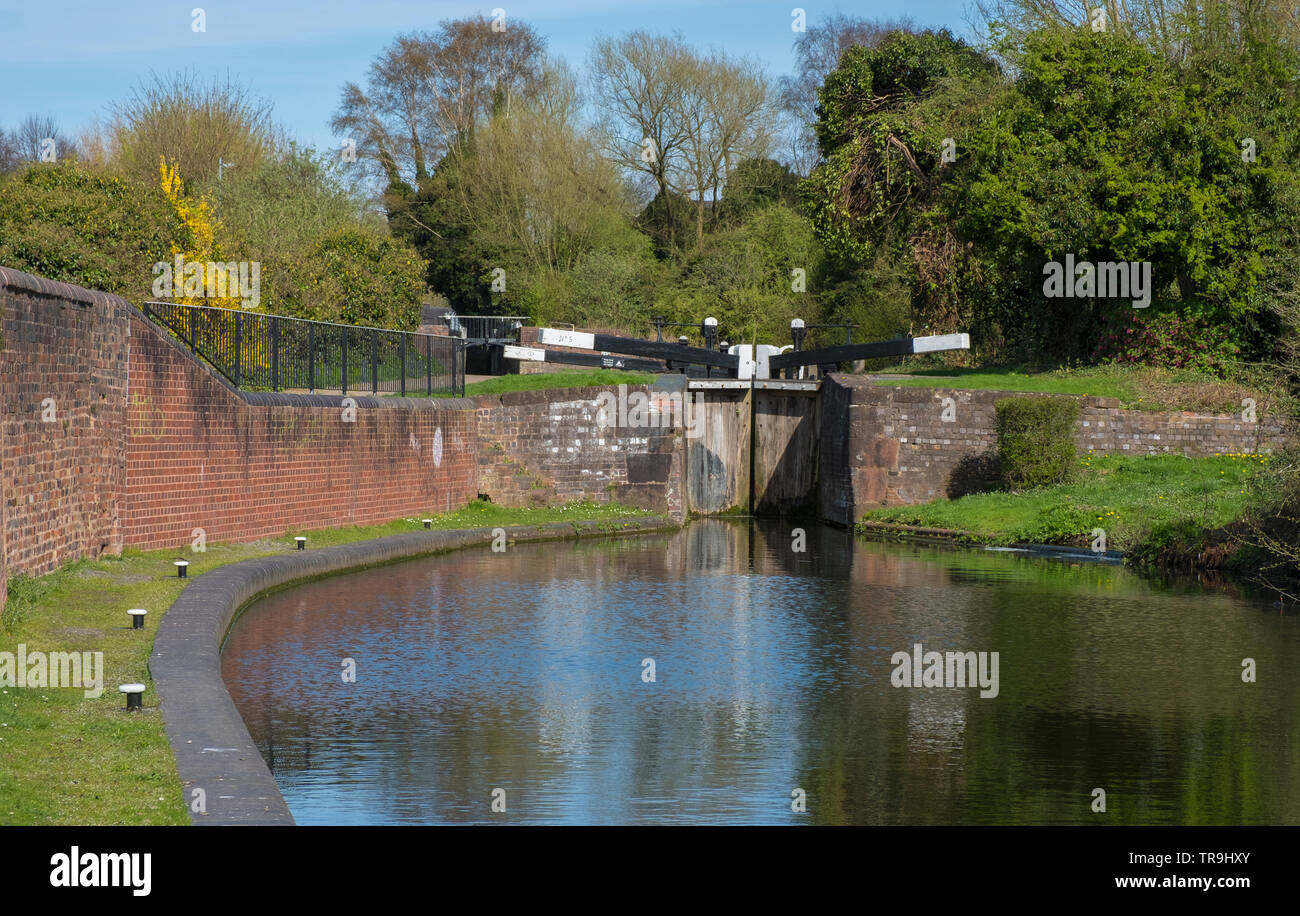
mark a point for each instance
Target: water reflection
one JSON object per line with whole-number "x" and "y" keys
{"x": 524, "y": 671}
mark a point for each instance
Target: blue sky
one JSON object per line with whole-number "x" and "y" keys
{"x": 73, "y": 59}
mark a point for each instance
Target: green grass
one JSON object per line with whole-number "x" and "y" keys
{"x": 1127, "y": 497}
{"x": 575, "y": 378}
{"x": 1138, "y": 388}
{"x": 69, "y": 759}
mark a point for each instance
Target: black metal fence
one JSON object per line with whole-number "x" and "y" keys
{"x": 262, "y": 352}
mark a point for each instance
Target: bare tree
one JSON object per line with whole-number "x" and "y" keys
{"x": 37, "y": 139}
{"x": 638, "y": 82}
{"x": 426, "y": 93}
{"x": 9, "y": 156}
{"x": 676, "y": 117}
{"x": 728, "y": 117}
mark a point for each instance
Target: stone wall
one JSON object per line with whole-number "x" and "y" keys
{"x": 111, "y": 434}
{"x": 887, "y": 446}
{"x": 543, "y": 447}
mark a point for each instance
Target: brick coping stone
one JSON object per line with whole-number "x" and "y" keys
{"x": 213, "y": 749}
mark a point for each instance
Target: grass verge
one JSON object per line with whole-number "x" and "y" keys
{"x": 1129, "y": 498}
{"x": 541, "y": 381}
{"x": 70, "y": 759}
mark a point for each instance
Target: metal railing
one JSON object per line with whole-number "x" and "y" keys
{"x": 260, "y": 352}
{"x": 486, "y": 327}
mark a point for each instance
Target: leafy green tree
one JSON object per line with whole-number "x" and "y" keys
{"x": 886, "y": 116}
{"x": 660, "y": 221}
{"x": 352, "y": 276}
{"x": 1103, "y": 151}
{"x": 746, "y": 277}
{"x": 754, "y": 184}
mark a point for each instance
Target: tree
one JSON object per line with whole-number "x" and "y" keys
{"x": 883, "y": 119}
{"x": 638, "y": 82}
{"x": 289, "y": 201}
{"x": 743, "y": 277}
{"x": 1174, "y": 30}
{"x": 36, "y": 139}
{"x": 818, "y": 50}
{"x": 427, "y": 92}
{"x": 754, "y": 184}
{"x": 203, "y": 128}
{"x": 728, "y": 118}
{"x": 679, "y": 118}
{"x": 531, "y": 195}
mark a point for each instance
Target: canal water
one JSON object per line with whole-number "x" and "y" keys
{"x": 718, "y": 674}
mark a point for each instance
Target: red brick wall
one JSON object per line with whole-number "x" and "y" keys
{"x": 248, "y": 465}
{"x": 148, "y": 443}
{"x": 61, "y": 482}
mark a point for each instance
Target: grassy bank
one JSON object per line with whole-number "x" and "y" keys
{"x": 69, "y": 759}
{"x": 1137, "y": 388}
{"x": 568, "y": 378}
{"x": 1132, "y": 499}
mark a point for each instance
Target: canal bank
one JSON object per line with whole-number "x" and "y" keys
{"x": 1192, "y": 511}
{"x": 69, "y": 759}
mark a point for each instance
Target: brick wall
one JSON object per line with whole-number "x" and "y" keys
{"x": 539, "y": 447}
{"x": 147, "y": 443}
{"x": 884, "y": 445}
{"x": 62, "y": 421}
{"x": 245, "y": 465}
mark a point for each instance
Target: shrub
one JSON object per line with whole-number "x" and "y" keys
{"x": 201, "y": 126}
{"x": 1190, "y": 339}
{"x": 351, "y": 276}
{"x": 78, "y": 225}
{"x": 1036, "y": 440}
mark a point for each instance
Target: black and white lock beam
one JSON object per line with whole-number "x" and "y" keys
{"x": 596, "y": 360}
{"x": 609, "y": 343}
{"x": 906, "y": 346}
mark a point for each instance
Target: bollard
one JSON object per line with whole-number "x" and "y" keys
{"x": 182, "y": 568}
{"x": 428, "y": 523}
{"x": 709, "y": 328}
{"x": 137, "y": 617}
{"x": 301, "y": 542}
{"x": 132, "y": 692}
